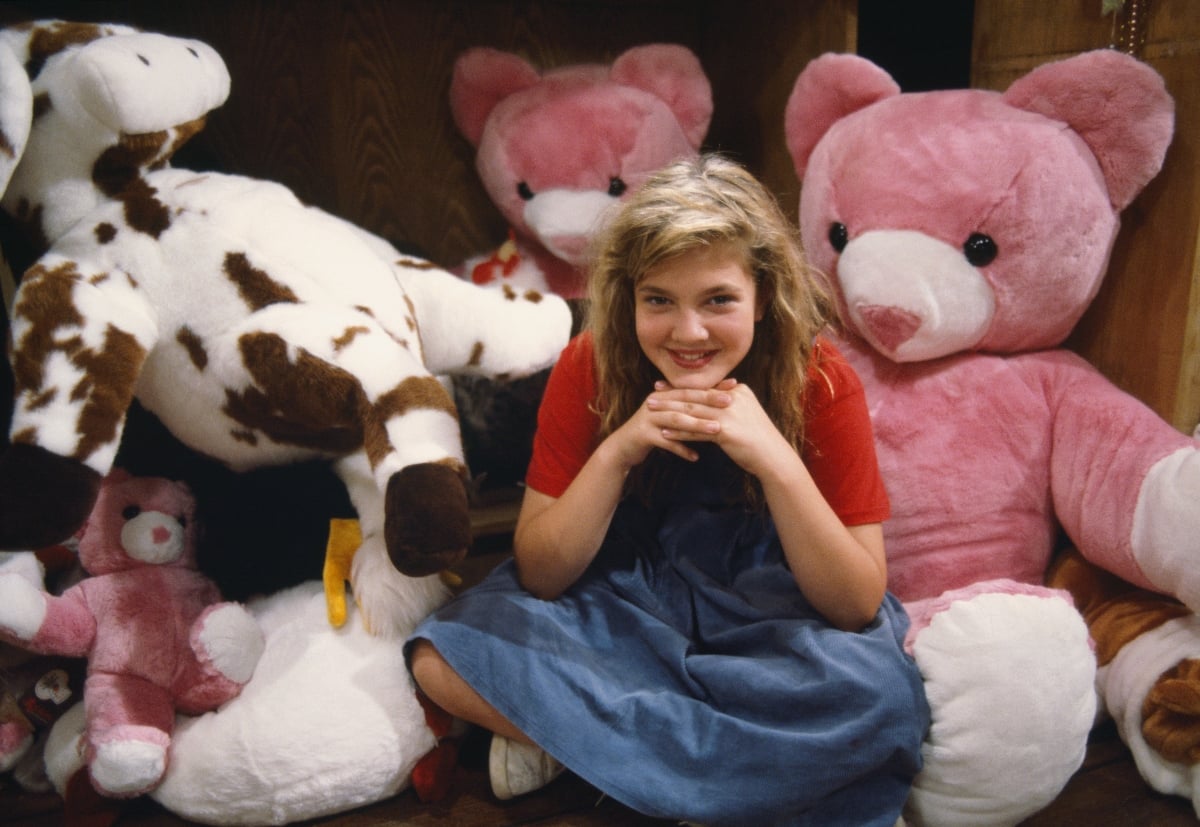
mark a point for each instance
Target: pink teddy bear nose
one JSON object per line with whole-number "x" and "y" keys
{"x": 889, "y": 326}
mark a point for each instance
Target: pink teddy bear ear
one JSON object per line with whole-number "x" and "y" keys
{"x": 1118, "y": 105}
{"x": 673, "y": 74}
{"x": 829, "y": 88}
{"x": 482, "y": 78}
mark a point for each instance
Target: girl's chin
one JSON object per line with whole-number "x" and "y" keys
{"x": 698, "y": 381}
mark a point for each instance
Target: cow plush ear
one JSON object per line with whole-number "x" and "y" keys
{"x": 16, "y": 111}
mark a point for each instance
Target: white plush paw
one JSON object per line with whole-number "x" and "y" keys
{"x": 22, "y": 607}
{"x": 124, "y": 768}
{"x": 392, "y": 604}
{"x": 65, "y": 747}
{"x": 1010, "y": 683}
{"x": 230, "y": 639}
{"x": 1126, "y": 681}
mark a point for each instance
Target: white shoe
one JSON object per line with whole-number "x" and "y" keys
{"x": 516, "y": 768}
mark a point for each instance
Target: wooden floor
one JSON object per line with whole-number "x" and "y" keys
{"x": 1106, "y": 792}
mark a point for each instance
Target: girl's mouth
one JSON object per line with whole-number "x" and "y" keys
{"x": 691, "y": 359}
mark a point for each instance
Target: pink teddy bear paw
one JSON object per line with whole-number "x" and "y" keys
{"x": 228, "y": 641}
{"x": 130, "y": 762}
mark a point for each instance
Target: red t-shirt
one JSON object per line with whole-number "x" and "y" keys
{"x": 839, "y": 447}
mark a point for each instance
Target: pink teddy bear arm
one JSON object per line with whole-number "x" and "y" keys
{"x": 40, "y": 622}
{"x": 1107, "y": 447}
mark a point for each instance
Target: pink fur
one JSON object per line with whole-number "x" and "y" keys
{"x": 569, "y": 133}
{"x": 964, "y": 233}
{"x": 139, "y": 621}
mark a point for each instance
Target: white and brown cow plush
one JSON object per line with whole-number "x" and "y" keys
{"x": 260, "y": 331}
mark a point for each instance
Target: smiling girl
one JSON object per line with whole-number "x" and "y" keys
{"x": 695, "y": 619}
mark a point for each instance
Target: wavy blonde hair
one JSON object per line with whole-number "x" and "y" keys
{"x": 699, "y": 202}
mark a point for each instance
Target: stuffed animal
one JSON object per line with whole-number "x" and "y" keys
{"x": 328, "y": 722}
{"x": 259, "y": 330}
{"x": 555, "y": 150}
{"x": 1148, "y": 652}
{"x": 965, "y": 232}
{"x": 34, "y": 689}
{"x": 155, "y": 632}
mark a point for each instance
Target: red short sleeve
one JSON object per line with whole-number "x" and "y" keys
{"x": 839, "y": 447}
{"x": 566, "y": 426}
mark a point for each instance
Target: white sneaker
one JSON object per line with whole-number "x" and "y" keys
{"x": 516, "y": 768}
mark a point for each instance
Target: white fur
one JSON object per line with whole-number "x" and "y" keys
{"x": 22, "y": 606}
{"x": 328, "y": 722}
{"x": 1010, "y": 681}
{"x": 127, "y": 767}
{"x": 1124, "y": 684}
{"x": 910, "y": 271}
{"x": 1166, "y": 525}
{"x": 232, "y": 640}
{"x": 64, "y": 747}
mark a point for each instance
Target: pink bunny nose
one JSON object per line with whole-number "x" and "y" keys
{"x": 890, "y": 326}
{"x": 161, "y": 534}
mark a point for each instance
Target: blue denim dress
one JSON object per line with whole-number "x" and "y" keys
{"x": 686, "y": 676}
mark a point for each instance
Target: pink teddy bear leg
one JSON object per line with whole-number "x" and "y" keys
{"x": 129, "y": 725}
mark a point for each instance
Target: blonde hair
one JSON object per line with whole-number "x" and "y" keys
{"x": 706, "y": 201}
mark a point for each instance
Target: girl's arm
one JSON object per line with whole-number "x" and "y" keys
{"x": 557, "y": 538}
{"x": 840, "y": 570}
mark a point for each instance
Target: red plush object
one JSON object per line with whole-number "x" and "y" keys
{"x": 155, "y": 633}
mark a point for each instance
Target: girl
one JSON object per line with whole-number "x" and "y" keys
{"x": 695, "y": 618}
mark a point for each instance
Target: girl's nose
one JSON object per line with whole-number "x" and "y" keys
{"x": 690, "y": 327}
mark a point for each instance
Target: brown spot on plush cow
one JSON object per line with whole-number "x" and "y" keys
{"x": 258, "y": 330}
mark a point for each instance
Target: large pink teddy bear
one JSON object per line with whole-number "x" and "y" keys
{"x": 965, "y": 232}
{"x": 556, "y": 149}
{"x": 156, "y": 635}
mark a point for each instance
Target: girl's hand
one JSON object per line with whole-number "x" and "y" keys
{"x": 729, "y": 415}
{"x": 670, "y": 418}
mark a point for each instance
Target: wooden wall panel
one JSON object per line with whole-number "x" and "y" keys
{"x": 1143, "y": 329}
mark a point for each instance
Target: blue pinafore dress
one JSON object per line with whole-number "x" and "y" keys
{"x": 686, "y": 676}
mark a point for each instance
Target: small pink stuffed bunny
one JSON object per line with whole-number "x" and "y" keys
{"x": 155, "y": 633}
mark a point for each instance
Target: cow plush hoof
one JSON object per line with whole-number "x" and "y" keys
{"x": 427, "y": 524}
{"x": 44, "y": 497}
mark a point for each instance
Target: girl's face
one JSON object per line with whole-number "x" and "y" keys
{"x": 695, "y": 316}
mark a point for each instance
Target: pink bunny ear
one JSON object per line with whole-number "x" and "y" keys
{"x": 1118, "y": 105}
{"x": 829, "y": 88}
{"x": 482, "y": 78}
{"x": 674, "y": 74}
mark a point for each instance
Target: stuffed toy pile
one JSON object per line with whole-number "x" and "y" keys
{"x": 35, "y": 690}
{"x": 555, "y": 150}
{"x": 155, "y": 632}
{"x": 258, "y": 330}
{"x": 965, "y": 232}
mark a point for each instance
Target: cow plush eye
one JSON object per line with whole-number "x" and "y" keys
{"x": 524, "y": 191}
{"x": 980, "y": 249}
{"x": 839, "y": 236}
{"x": 130, "y": 511}
{"x": 616, "y": 187}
